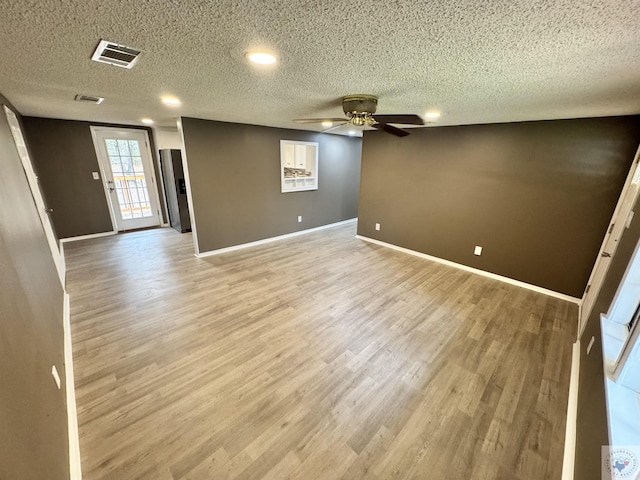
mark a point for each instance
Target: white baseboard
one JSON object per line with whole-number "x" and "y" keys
{"x": 273, "y": 239}
{"x": 477, "y": 271}
{"x": 87, "y": 237}
{"x": 72, "y": 414}
{"x": 568, "y": 464}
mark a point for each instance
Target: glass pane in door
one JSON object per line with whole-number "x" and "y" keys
{"x": 128, "y": 178}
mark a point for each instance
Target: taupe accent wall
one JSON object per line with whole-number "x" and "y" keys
{"x": 537, "y": 196}
{"x": 64, "y": 157}
{"x": 234, "y": 172}
{"x": 33, "y": 417}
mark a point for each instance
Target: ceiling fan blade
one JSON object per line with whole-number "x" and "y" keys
{"x": 334, "y": 127}
{"x": 402, "y": 119}
{"x": 319, "y": 120}
{"x": 398, "y": 132}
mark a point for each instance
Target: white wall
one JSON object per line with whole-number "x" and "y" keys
{"x": 168, "y": 138}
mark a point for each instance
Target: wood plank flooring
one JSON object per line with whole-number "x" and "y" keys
{"x": 316, "y": 357}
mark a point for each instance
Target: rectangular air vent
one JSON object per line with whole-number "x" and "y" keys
{"x": 115, "y": 54}
{"x": 89, "y": 99}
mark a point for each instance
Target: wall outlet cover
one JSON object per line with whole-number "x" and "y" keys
{"x": 96, "y": 175}
{"x": 377, "y": 226}
{"x": 477, "y": 250}
{"x": 299, "y": 218}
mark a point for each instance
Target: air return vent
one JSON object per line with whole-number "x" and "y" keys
{"x": 89, "y": 99}
{"x": 115, "y": 54}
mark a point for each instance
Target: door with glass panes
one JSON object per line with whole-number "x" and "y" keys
{"x": 128, "y": 177}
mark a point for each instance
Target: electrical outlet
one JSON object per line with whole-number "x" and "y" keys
{"x": 96, "y": 175}
{"x": 477, "y": 250}
{"x": 299, "y": 218}
{"x": 56, "y": 377}
{"x": 377, "y": 226}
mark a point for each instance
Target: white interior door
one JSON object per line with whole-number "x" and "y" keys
{"x": 32, "y": 178}
{"x": 128, "y": 177}
{"x": 620, "y": 220}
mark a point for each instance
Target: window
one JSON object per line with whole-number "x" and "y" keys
{"x": 298, "y": 165}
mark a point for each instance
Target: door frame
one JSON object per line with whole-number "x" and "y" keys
{"x": 617, "y": 225}
{"x": 95, "y": 129}
{"x": 36, "y": 193}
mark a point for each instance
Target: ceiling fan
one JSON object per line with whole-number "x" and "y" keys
{"x": 360, "y": 110}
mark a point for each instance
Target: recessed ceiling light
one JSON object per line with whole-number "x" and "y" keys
{"x": 147, "y": 121}
{"x": 327, "y": 123}
{"x": 171, "y": 101}
{"x": 262, "y": 58}
{"x": 432, "y": 115}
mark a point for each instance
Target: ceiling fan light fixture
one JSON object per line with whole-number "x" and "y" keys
{"x": 261, "y": 58}
{"x": 358, "y": 120}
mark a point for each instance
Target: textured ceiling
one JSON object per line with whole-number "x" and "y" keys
{"x": 476, "y": 61}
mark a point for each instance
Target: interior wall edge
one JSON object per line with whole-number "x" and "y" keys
{"x": 33, "y": 397}
{"x": 187, "y": 182}
{"x": 568, "y": 463}
{"x": 75, "y": 466}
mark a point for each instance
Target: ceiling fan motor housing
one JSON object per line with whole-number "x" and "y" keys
{"x": 359, "y": 104}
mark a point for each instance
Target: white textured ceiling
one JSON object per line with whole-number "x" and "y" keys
{"x": 476, "y": 61}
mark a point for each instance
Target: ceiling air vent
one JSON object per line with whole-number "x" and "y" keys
{"x": 115, "y": 54}
{"x": 89, "y": 99}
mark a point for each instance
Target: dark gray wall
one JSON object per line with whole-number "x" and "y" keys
{"x": 64, "y": 157}
{"x": 234, "y": 170}
{"x": 33, "y": 417}
{"x": 537, "y": 196}
{"x": 592, "y": 430}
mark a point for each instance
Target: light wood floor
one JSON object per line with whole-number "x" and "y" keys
{"x": 320, "y": 356}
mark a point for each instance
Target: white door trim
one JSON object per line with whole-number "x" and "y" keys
{"x": 32, "y": 180}
{"x": 187, "y": 179}
{"x": 152, "y": 188}
{"x": 72, "y": 412}
{"x": 569, "y": 460}
{"x": 158, "y": 160}
{"x": 616, "y": 227}
{"x": 114, "y": 225}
